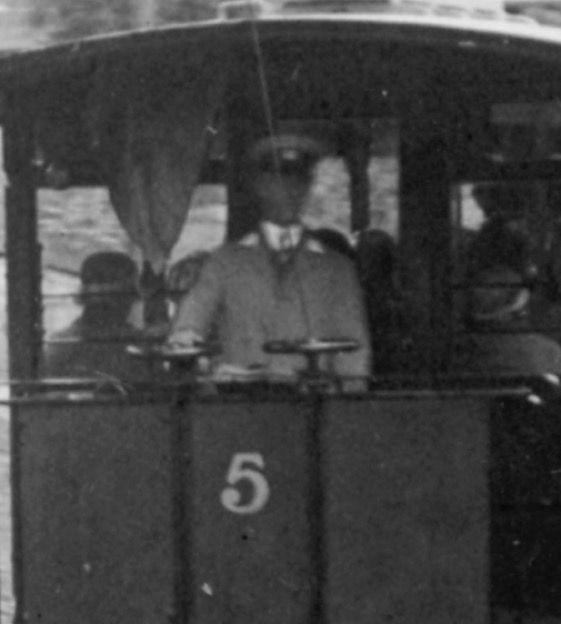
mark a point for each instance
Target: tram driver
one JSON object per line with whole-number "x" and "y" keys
{"x": 277, "y": 283}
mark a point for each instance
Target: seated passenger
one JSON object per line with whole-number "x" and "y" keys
{"x": 503, "y": 240}
{"x": 334, "y": 240}
{"x": 277, "y": 283}
{"x": 501, "y": 339}
{"x": 94, "y": 344}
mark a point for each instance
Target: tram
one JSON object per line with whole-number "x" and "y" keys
{"x": 432, "y": 493}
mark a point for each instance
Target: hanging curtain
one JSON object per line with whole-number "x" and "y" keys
{"x": 154, "y": 128}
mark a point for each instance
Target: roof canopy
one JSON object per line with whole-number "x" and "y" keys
{"x": 137, "y": 111}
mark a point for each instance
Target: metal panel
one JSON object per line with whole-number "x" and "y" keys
{"x": 251, "y": 567}
{"x": 355, "y": 511}
{"x": 526, "y": 504}
{"x": 95, "y": 491}
{"x": 406, "y": 511}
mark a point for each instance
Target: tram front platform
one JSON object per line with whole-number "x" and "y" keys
{"x": 274, "y": 509}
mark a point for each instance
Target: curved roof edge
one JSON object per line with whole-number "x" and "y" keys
{"x": 506, "y": 35}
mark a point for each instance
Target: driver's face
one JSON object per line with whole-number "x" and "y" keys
{"x": 281, "y": 196}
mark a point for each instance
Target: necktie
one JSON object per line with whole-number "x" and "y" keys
{"x": 286, "y": 247}
{"x": 285, "y": 241}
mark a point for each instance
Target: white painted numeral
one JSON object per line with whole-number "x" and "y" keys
{"x": 246, "y": 466}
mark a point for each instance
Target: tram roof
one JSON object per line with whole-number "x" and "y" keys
{"x": 493, "y": 35}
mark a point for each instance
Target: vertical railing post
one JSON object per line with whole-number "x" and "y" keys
{"x": 22, "y": 247}
{"x": 316, "y": 509}
{"x": 24, "y": 293}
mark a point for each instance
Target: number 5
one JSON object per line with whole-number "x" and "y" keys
{"x": 246, "y": 466}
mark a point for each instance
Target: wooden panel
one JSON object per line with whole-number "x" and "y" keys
{"x": 406, "y": 511}
{"x": 252, "y": 567}
{"x": 95, "y": 490}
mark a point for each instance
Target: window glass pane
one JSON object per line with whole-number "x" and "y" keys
{"x": 73, "y": 224}
{"x": 507, "y": 297}
{"x": 205, "y": 225}
{"x": 383, "y": 175}
{"x": 329, "y": 204}
{"x": 90, "y": 285}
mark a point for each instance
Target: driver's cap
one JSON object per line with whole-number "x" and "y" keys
{"x": 287, "y": 150}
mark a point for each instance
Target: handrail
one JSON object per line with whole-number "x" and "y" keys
{"x": 538, "y": 389}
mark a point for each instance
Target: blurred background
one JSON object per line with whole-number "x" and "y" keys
{"x": 29, "y": 23}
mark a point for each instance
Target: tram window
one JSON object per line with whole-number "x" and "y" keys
{"x": 329, "y": 203}
{"x": 72, "y": 225}
{"x": 205, "y": 225}
{"x": 493, "y": 220}
{"x": 383, "y": 175}
{"x": 506, "y": 238}
{"x": 87, "y": 317}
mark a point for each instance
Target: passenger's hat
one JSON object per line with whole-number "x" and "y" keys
{"x": 284, "y": 151}
{"x": 108, "y": 271}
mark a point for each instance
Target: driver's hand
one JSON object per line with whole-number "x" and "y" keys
{"x": 183, "y": 339}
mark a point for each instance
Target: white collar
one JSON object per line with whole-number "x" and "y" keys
{"x": 253, "y": 239}
{"x": 274, "y": 235}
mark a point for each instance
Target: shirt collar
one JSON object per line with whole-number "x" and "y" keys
{"x": 274, "y": 234}
{"x": 254, "y": 239}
